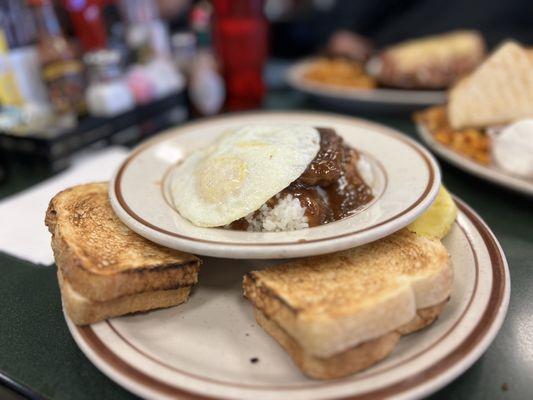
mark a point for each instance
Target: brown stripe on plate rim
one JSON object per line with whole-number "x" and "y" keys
{"x": 453, "y": 357}
{"x": 382, "y": 129}
{"x": 118, "y": 364}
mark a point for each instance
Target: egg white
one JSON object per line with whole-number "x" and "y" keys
{"x": 240, "y": 171}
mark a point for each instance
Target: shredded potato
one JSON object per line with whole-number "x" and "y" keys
{"x": 470, "y": 142}
{"x": 340, "y": 72}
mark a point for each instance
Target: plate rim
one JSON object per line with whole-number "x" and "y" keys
{"x": 376, "y": 95}
{"x": 435, "y": 377}
{"x": 492, "y": 175}
{"x": 296, "y": 248}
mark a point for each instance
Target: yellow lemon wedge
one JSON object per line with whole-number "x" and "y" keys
{"x": 438, "y": 219}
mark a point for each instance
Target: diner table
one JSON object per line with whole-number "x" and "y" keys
{"x": 39, "y": 358}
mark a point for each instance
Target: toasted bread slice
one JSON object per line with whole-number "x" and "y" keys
{"x": 499, "y": 91}
{"x": 101, "y": 258}
{"x": 351, "y": 360}
{"x": 329, "y": 304}
{"x": 83, "y": 311}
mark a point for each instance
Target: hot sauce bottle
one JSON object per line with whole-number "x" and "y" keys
{"x": 206, "y": 86}
{"x": 61, "y": 69}
{"x": 88, "y": 22}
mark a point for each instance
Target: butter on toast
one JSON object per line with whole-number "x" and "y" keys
{"x": 339, "y": 313}
{"x": 101, "y": 260}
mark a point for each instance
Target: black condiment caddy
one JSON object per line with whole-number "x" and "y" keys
{"x": 54, "y": 150}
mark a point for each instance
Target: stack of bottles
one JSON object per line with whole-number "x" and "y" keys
{"x": 77, "y": 58}
{"x": 65, "y": 59}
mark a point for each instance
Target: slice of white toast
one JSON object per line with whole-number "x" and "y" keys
{"x": 331, "y": 304}
{"x": 101, "y": 258}
{"x": 499, "y": 91}
{"x": 353, "y": 359}
{"x": 83, "y": 311}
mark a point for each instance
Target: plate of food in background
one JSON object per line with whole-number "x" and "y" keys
{"x": 274, "y": 185}
{"x": 486, "y": 127}
{"x": 406, "y": 76}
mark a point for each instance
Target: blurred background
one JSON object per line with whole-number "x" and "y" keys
{"x": 82, "y": 81}
{"x": 78, "y": 74}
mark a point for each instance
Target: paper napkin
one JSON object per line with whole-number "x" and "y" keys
{"x": 22, "y": 230}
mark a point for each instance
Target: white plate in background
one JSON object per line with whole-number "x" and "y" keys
{"x": 489, "y": 173}
{"x": 387, "y": 100}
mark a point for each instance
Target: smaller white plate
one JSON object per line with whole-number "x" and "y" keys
{"x": 367, "y": 99}
{"x": 489, "y": 173}
{"x": 406, "y": 181}
{"x": 204, "y": 349}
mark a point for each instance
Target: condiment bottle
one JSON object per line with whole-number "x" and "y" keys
{"x": 147, "y": 35}
{"x": 88, "y": 22}
{"x": 9, "y": 91}
{"x": 61, "y": 69}
{"x": 206, "y": 86}
{"x": 17, "y": 24}
{"x": 240, "y": 35}
{"x": 184, "y": 51}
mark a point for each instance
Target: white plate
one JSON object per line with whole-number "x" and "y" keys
{"x": 406, "y": 181}
{"x": 372, "y": 99}
{"x": 490, "y": 173}
{"x": 203, "y": 349}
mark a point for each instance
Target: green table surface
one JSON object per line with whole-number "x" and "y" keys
{"x": 38, "y": 353}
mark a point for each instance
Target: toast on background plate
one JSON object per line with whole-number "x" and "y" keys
{"x": 104, "y": 268}
{"x": 498, "y": 92}
{"x": 340, "y": 313}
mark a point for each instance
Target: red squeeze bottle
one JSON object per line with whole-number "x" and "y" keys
{"x": 241, "y": 41}
{"x": 87, "y": 20}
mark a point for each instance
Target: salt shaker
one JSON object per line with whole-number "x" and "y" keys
{"x": 108, "y": 93}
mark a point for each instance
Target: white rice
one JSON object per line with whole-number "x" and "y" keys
{"x": 365, "y": 170}
{"x": 286, "y": 215}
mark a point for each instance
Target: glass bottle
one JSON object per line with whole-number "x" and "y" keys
{"x": 240, "y": 35}
{"x": 206, "y": 86}
{"x": 61, "y": 69}
{"x": 16, "y": 22}
{"x": 9, "y": 92}
{"x": 184, "y": 50}
{"x": 147, "y": 35}
{"x": 88, "y": 22}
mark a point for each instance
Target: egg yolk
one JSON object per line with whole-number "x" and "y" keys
{"x": 218, "y": 178}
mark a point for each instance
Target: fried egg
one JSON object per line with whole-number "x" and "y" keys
{"x": 240, "y": 171}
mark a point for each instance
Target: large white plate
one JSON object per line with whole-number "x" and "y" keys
{"x": 489, "y": 173}
{"x": 361, "y": 99}
{"x": 406, "y": 181}
{"x": 204, "y": 348}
